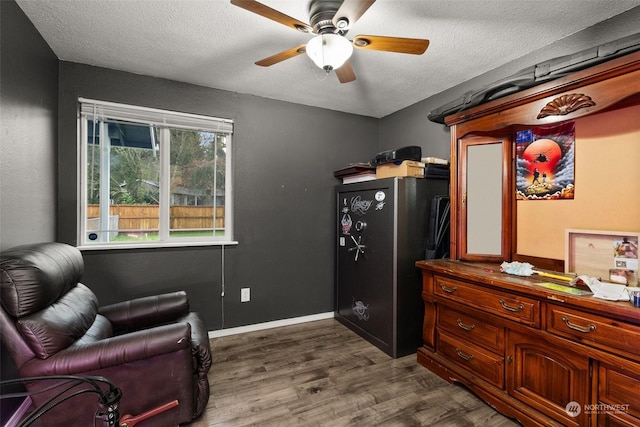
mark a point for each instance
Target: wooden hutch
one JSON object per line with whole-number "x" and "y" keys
{"x": 540, "y": 356}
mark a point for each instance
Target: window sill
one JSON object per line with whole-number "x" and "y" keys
{"x": 156, "y": 245}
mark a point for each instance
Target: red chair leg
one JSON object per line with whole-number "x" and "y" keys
{"x": 130, "y": 420}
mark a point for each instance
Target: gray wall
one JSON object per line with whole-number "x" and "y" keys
{"x": 29, "y": 114}
{"x": 284, "y": 156}
{"x": 28, "y": 123}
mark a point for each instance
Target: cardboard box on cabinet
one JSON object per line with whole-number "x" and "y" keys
{"x": 408, "y": 168}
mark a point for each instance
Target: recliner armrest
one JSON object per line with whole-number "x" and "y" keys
{"x": 110, "y": 352}
{"x": 147, "y": 311}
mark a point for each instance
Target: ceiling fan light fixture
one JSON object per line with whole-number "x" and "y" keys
{"x": 329, "y": 51}
{"x": 342, "y": 24}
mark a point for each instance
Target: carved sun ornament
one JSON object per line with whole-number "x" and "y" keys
{"x": 566, "y": 104}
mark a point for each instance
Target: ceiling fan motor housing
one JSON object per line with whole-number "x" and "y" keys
{"x": 321, "y": 13}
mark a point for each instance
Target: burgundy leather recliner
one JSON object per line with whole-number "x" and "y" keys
{"x": 152, "y": 348}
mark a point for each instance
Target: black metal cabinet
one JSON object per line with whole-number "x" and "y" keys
{"x": 382, "y": 230}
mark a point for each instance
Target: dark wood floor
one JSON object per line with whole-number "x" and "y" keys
{"x": 321, "y": 373}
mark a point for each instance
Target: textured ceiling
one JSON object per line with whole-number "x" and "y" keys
{"x": 213, "y": 43}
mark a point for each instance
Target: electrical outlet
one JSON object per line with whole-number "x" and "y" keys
{"x": 245, "y": 294}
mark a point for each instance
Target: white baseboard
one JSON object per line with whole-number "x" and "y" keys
{"x": 20, "y": 412}
{"x": 268, "y": 325}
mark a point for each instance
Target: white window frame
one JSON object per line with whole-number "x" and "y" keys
{"x": 90, "y": 109}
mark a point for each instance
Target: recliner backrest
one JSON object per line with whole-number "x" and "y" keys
{"x": 40, "y": 288}
{"x": 35, "y": 276}
{"x": 60, "y": 324}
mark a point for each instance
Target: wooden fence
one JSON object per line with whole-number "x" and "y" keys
{"x": 145, "y": 217}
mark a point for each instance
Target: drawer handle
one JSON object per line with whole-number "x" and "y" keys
{"x": 506, "y": 306}
{"x": 586, "y": 329}
{"x": 465, "y": 327}
{"x": 448, "y": 290}
{"x": 466, "y": 357}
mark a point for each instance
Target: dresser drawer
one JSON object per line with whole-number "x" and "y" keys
{"x": 521, "y": 309}
{"x": 475, "y": 359}
{"x": 470, "y": 327}
{"x": 593, "y": 330}
{"x": 618, "y": 387}
{"x": 614, "y": 419}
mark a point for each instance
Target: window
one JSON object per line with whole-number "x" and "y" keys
{"x": 152, "y": 178}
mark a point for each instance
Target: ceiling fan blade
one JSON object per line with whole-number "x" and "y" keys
{"x": 351, "y": 10}
{"x": 279, "y": 57}
{"x": 274, "y": 15}
{"x": 345, "y": 73}
{"x": 391, "y": 44}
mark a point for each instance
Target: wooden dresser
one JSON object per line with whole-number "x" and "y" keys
{"x": 537, "y": 355}
{"x": 540, "y": 356}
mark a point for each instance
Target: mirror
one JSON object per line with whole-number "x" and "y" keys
{"x": 483, "y": 190}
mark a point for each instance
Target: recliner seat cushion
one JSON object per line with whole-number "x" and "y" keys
{"x": 62, "y": 323}
{"x": 35, "y": 276}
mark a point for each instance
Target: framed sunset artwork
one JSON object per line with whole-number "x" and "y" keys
{"x": 545, "y": 162}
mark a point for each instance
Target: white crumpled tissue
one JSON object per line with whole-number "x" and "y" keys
{"x": 608, "y": 291}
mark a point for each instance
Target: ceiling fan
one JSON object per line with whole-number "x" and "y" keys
{"x": 330, "y": 49}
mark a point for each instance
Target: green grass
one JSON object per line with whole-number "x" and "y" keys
{"x": 149, "y": 237}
